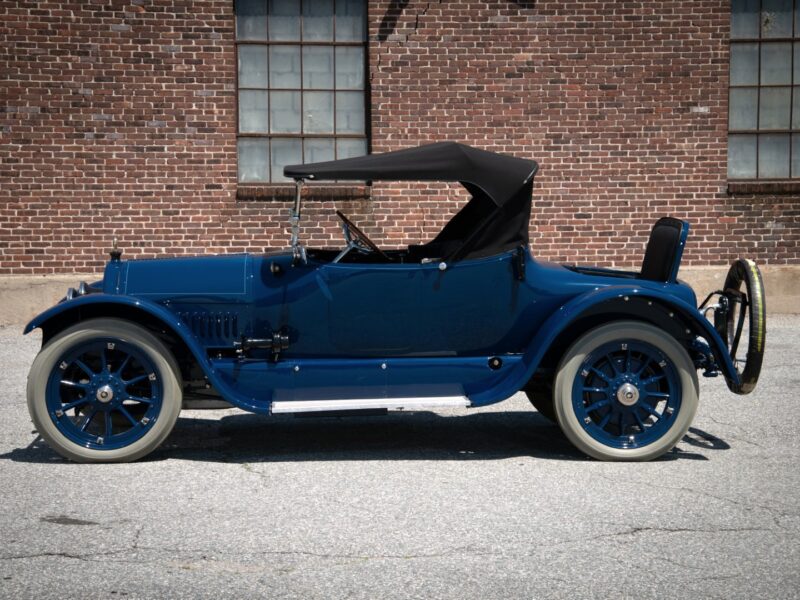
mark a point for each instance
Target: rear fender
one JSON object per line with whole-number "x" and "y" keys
{"x": 597, "y": 303}
{"x": 65, "y": 314}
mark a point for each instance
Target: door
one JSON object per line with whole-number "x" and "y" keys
{"x": 434, "y": 327}
{"x": 469, "y": 308}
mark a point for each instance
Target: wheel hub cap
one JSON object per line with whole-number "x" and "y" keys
{"x": 105, "y": 394}
{"x": 628, "y": 394}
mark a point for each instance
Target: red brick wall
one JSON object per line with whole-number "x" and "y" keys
{"x": 120, "y": 118}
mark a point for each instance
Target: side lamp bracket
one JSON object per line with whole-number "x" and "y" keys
{"x": 298, "y": 251}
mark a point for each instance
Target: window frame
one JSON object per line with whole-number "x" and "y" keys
{"x": 334, "y": 44}
{"x": 793, "y": 40}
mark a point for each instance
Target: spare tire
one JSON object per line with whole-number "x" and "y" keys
{"x": 743, "y": 320}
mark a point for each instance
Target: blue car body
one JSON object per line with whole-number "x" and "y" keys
{"x": 373, "y": 330}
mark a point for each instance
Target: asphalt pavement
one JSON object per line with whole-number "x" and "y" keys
{"x": 486, "y": 503}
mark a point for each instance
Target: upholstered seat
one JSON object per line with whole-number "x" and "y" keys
{"x": 664, "y": 249}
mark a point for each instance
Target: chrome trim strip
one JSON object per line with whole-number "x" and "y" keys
{"x": 302, "y": 406}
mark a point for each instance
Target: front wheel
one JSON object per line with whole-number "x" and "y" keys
{"x": 625, "y": 391}
{"x": 104, "y": 390}
{"x": 540, "y": 393}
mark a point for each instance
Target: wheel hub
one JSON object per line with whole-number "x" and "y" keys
{"x": 105, "y": 394}
{"x": 627, "y": 394}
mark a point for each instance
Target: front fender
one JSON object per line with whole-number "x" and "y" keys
{"x": 579, "y": 306}
{"x": 88, "y": 306}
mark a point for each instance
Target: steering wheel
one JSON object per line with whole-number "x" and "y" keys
{"x": 357, "y": 238}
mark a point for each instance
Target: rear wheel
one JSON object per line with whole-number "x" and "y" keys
{"x": 104, "y": 390}
{"x": 625, "y": 391}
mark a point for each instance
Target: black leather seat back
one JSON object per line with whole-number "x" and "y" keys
{"x": 663, "y": 252}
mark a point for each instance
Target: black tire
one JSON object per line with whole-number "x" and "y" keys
{"x": 165, "y": 372}
{"x": 744, "y": 273}
{"x": 540, "y": 393}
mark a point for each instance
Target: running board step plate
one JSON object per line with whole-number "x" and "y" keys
{"x": 306, "y": 406}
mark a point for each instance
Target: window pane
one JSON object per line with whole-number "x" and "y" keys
{"x": 796, "y": 63}
{"x": 318, "y": 150}
{"x": 741, "y": 156}
{"x": 796, "y": 108}
{"x": 796, "y": 20}
{"x": 349, "y": 68}
{"x": 349, "y": 112}
{"x": 284, "y": 20}
{"x": 349, "y": 148}
{"x": 284, "y": 152}
{"x": 284, "y": 113}
{"x": 744, "y": 19}
{"x": 776, "y": 61}
{"x": 252, "y": 66}
{"x": 742, "y": 108}
{"x": 251, "y": 19}
{"x": 253, "y": 111}
{"x": 796, "y": 156}
{"x": 317, "y": 20}
{"x": 350, "y": 20}
{"x": 253, "y": 153}
{"x": 773, "y": 109}
{"x": 318, "y": 67}
{"x": 744, "y": 64}
{"x": 776, "y": 18}
{"x": 773, "y": 155}
{"x": 318, "y": 112}
{"x": 284, "y": 66}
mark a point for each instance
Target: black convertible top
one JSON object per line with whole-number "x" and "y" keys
{"x": 500, "y": 177}
{"x": 494, "y": 220}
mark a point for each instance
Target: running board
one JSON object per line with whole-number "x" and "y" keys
{"x": 306, "y": 406}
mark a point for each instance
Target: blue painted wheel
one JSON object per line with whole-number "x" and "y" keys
{"x": 625, "y": 391}
{"x": 104, "y": 390}
{"x": 104, "y": 394}
{"x": 626, "y": 394}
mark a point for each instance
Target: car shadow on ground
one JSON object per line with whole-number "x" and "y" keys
{"x": 248, "y": 438}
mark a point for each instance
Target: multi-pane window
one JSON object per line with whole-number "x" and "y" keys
{"x": 301, "y": 82}
{"x": 764, "y": 101}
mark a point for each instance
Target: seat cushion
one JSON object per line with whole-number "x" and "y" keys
{"x": 662, "y": 249}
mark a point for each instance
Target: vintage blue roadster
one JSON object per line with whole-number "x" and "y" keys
{"x": 467, "y": 319}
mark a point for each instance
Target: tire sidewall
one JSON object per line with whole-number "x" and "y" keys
{"x": 624, "y": 331}
{"x": 540, "y": 395}
{"x": 148, "y": 344}
{"x": 745, "y": 271}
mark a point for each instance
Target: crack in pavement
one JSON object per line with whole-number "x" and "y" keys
{"x": 748, "y": 506}
{"x": 84, "y": 557}
{"x": 715, "y": 578}
{"x": 136, "y": 536}
{"x": 109, "y": 556}
{"x": 638, "y": 530}
{"x": 737, "y": 428}
{"x": 114, "y": 555}
{"x": 634, "y": 531}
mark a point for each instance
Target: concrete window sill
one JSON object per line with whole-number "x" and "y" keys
{"x": 311, "y": 191}
{"x": 764, "y": 187}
